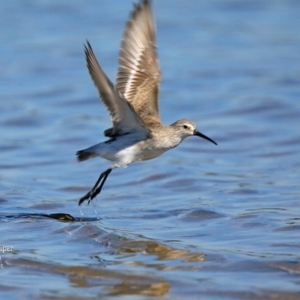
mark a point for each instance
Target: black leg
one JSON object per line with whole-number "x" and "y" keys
{"x": 98, "y": 190}
{"x": 95, "y": 191}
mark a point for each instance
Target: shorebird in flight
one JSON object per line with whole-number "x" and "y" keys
{"x": 137, "y": 133}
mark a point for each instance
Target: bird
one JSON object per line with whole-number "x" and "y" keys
{"x": 137, "y": 133}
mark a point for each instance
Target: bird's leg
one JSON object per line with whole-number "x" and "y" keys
{"x": 98, "y": 190}
{"x": 95, "y": 191}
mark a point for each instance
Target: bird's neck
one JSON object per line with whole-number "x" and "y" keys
{"x": 167, "y": 138}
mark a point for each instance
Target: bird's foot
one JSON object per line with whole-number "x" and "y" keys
{"x": 96, "y": 189}
{"x": 89, "y": 196}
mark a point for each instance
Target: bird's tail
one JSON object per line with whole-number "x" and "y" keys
{"x": 85, "y": 154}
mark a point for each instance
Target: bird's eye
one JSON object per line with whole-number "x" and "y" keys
{"x": 185, "y": 126}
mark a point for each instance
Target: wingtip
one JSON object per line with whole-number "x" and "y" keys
{"x": 88, "y": 44}
{"x": 145, "y": 2}
{"x": 137, "y": 7}
{"x": 87, "y": 47}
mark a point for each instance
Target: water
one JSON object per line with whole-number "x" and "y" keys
{"x": 201, "y": 221}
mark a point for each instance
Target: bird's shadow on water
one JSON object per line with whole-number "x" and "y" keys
{"x": 63, "y": 217}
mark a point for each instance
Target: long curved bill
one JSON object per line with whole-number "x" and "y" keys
{"x": 197, "y": 133}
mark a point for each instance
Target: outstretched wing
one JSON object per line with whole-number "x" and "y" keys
{"x": 139, "y": 75}
{"x": 124, "y": 118}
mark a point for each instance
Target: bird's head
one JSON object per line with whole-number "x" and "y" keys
{"x": 186, "y": 128}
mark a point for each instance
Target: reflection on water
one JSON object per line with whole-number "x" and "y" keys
{"x": 217, "y": 222}
{"x": 114, "y": 281}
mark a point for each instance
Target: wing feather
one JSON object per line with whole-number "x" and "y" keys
{"x": 139, "y": 74}
{"x": 123, "y": 115}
